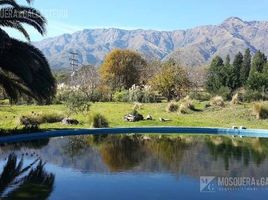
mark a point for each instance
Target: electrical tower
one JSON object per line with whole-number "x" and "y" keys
{"x": 74, "y": 64}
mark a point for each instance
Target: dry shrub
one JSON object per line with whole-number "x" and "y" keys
{"x": 217, "y": 101}
{"x": 137, "y": 106}
{"x": 41, "y": 118}
{"x": 172, "y": 107}
{"x": 260, "y": 110}
{"x": 236, "y": 99}
{"x": 97, "y": 120}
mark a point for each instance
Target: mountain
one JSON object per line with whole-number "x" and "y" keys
{"x": 191, "y": 47}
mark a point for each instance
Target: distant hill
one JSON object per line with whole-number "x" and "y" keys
{"x": 191, "y": 47}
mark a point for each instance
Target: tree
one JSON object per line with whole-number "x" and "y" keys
{"x": 172, "y": 80}
{"x": 246, "y": 65}
{"x": 87, "y": 80}
{"x": 237, "y": 66}
{"x": 258, "y": 62}
{"x": 23, "y": 68}
{"x": 214, "y": 79}
{"x": 121, "y": 69}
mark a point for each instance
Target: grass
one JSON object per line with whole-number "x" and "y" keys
{"x": 231, "y": 115}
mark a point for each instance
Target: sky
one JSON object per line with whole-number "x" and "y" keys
{"x": 68, "y": 16}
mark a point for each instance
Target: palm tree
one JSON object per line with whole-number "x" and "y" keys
{"x": 23, "y": 68}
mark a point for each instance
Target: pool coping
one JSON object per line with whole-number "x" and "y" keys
{"x": 261, "y": 133}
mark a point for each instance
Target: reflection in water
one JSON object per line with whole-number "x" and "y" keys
{"x": 88, "y": 166}
{"x": 30, "y": 182}
{"x": 122, "y": 153}
{"x": 245, "y": 150}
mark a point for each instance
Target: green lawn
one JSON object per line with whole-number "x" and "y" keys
{"x": 238, "y": 115}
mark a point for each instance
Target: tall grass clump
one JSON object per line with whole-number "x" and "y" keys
{"x": 97, "y": 120}
{"x": 40, "y": 118}
{"x": 217, "y": 101}
{"x": 172, "y": 107}
{"x": 186, "y": 106}
{"x": 260, "y": 110}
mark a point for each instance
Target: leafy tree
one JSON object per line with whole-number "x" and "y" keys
{"x": 214, "y": 79}
{"x": 172, "y": 80}
{"x": 237, "y": 66}
{"x": 258, "y": 78}
{"x": 121, "y": 69}
{"x": 23, "y": 68}
{"x": 246, "y": 65}
{"x": 258, "y": 62}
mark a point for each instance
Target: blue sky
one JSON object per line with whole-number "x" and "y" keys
{"x": 67, "y": 16}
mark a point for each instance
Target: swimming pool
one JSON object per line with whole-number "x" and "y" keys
{"x": 135, "y": 167}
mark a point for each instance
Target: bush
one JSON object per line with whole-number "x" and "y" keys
{"x": 237, "y": 99}
{"x": 254, "y": 95}
{"x": 172, "y": 107}
{"x": 98, "y": 121}
{"x": 77, "y": 102}
{"x": 260, "y": 110}
{"x": 122, "y": 96}
{"x": 35, "y": 119}
{"x": 225, "y": 93}
{"x": 217, "y": 101}
{"x": 200, "y": 96}
{"x": 142, "y": 94}
{"x": 183, "y": 109}
{"x": 186, "y": 106}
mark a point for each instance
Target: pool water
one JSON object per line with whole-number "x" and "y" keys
{"x": 133, "y": 167}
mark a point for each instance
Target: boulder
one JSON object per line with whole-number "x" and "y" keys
{"x": 133, "y": 118}
{"x": 68, "y": 121}
{"x": 149, "y": 117}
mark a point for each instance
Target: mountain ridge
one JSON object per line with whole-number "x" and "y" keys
{"x": 190, "y": 47}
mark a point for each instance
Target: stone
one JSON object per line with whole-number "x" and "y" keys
{"x": 68, "y": 121}
{"x": 149, "y": 117}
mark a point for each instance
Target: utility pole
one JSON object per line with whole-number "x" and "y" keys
{"x": 74, "y": 64}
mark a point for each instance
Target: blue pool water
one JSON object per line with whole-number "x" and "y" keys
{"x": 133, "y": 167}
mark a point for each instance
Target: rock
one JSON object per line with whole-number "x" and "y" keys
{"x": 68, "y": 121}
{"x": 133, "y": 118}
{"x": 149, "y": 117}
{"x": 164, "y": 120}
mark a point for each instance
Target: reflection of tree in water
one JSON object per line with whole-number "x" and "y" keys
{"x": 126, "y": 152}
{"x": 121, "y": 153}
{"x": 30, "y": 182}
{"x": 75, "y": 146}
{"x": 169, "y": 151}
{"x": 35, "y": 144}
{"x": 244, "y": 150}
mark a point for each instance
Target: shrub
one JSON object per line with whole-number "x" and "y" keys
{"x": 186, "y": 106}
{"x": 35, "y": 119}
{"x": 224, "y": 92}
{"x": 217, "y": 101}
{"x": 201, "y": 96}
{"x": 77, "y": 102}
{"x": 122, "y": 96}
{"x": 172, "y": 107}
{"x": 97, "y": 120}
{"x": 183, "y": 109}
{"x": 236, "y": 99}
{"x": 254, "y": 95}
{"x": 260, "y": 110}
{"x": 137, "y": 106}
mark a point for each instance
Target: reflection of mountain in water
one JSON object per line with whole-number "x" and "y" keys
{"x": 193, "y": 156}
